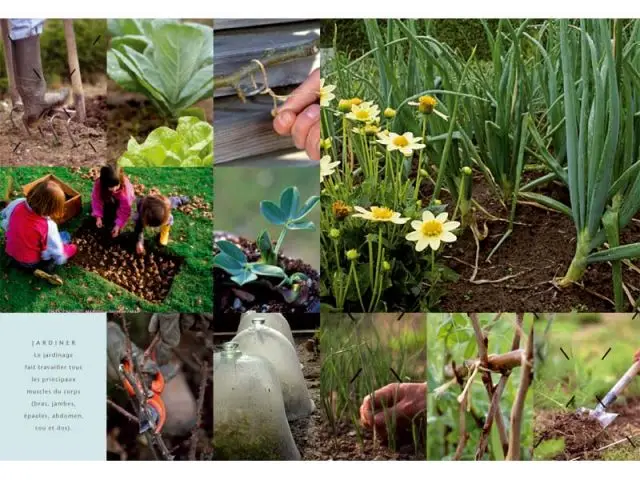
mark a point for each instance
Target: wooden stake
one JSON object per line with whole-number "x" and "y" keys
{"x": 74, "y": 70}
{"x": 8, "y": 62}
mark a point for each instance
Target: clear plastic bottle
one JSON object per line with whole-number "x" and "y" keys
{"x": 274, "y": 347}
{"x": 273, "y": 320}
{"x": 250, "y": 421}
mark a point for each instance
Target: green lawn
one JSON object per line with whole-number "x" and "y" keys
{"x": 191, "y": 238}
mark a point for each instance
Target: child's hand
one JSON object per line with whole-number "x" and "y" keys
{"x": 300, "y": 116}
{"x": 140, "y": 248}
{"x": 115, "y": 232}
{"x": 98, "y": 222}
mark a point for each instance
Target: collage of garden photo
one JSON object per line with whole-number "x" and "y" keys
{"x": 334, "y": 239}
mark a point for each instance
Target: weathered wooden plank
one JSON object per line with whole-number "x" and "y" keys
{"x": 231, "y": 23}
{"x": 236, "y": 49}
{"x": 245, "y": 130}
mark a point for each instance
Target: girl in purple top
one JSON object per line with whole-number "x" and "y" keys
{"x": 112, "y": 199}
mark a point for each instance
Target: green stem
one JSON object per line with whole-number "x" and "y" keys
{"x": 372, "y": 305}
{"x": 352, "y": 271}
{"x": 579, "y": 262}
{"x": 283, "y": 233}
{"x": 419, "y": 177}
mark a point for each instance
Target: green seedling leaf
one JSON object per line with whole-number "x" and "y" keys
{"x": 267, "y": 253}
{"x": 227, "y": 263}
{"x": 307, "y": 207}
{"x": 301, "y": 225}
{"x": 272, "y": 212}
{"x": 267, "y": 270}
{"x": 232, "y": 250}
{"x": 289, "y": 201}
{"x": 245, "y": 276}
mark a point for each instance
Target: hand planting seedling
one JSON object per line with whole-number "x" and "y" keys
{"x": 270, "y": 269}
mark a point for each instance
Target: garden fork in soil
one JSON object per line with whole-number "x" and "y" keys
{"x": 51, "y": 115}
{"x": 599, "y": 413}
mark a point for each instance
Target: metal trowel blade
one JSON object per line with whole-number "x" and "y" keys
{"x": 604, "y": 418}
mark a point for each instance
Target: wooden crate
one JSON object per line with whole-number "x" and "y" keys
{"x": 73, "y": 203}
{"x": 244, "y": 130}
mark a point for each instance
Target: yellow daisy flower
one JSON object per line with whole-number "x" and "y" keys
{"x": 365, "y": 112}
{"x": 432, "y": 231}
{"x": 325, "y": 93}
{"x": 380, "y": 214}
{"x": 327, "y": 167}
{"x": 405, "y": 143}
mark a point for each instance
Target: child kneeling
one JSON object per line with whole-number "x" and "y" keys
{"x": 155, "y": 211}
{"x": 33, "y": 241}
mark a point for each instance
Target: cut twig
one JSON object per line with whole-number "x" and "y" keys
{"x": 122, "y": 411}
{"x": 204, "y": 378}
{"x": 463, "y": 434}
{"x": 526, "y": 376}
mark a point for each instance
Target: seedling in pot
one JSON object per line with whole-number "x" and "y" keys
{"x": 291, "y": 216}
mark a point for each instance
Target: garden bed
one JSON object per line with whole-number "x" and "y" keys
{"x": 231, "y": 298}
{"x": 534, "y": 255}
{"x": 585, "y": 439}
{"x": 148, "y": 276}
{"x": 20, "y": 149}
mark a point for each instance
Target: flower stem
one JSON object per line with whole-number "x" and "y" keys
{"x": 352, "y": 271}
{"x": 372, "y": 305}
{"x": 419, "y": 177}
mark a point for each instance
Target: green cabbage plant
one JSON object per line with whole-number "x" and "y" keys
{"x": 170, "y": 62}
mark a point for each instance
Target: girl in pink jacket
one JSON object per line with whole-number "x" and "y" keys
{"x": 111, "y": 199}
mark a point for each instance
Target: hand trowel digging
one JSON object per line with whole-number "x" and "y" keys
{"x": 599, "y": 413}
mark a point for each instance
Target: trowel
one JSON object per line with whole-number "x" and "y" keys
{"x": 599, "y": 413}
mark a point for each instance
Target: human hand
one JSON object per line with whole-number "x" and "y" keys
{"x": 169, "y": 327}
{"x": 636, "y": 356}
{"x": 299, "y": 116}
{"x": 404, "y": 401}
{"x": 115, "y": 232}
{"x": 140, "y": 248}
{"x": 98, "y": 222}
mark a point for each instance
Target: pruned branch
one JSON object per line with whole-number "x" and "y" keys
{"x": 464, "y": 435}
{"x": 519, "y": 403}
{"x": 234, "y": 79}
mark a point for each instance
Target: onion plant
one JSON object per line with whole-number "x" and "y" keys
{"x": 601, "y": 105}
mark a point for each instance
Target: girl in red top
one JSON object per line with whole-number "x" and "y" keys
{"x": 111, "y": 199}
{"x": 33, "y": 241}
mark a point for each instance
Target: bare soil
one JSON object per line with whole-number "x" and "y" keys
{"x": 261, "y": 296}
{"x": 535, "y": 255}
{"x": 18, "y": 148}
{"x": 584, "y": 437}
{"x": 148, "y": 276}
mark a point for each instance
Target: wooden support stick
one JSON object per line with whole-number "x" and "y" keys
{"x": 74, "y": 71}
{"x": 8, "y": 62}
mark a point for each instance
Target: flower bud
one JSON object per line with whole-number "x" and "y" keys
{"x": 389, "y": 112}
{"x": 352, "y": 254}
{"x": 334, "y": 233}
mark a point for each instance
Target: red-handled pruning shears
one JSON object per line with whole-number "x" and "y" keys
{"x": 154, "y": 401}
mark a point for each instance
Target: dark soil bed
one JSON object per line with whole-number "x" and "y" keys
{"x": 129, "y": 116}
{"x": 17, "y": 148}
{"x": 148, "y": 276}
{"x": 584, "y": 437}
{"x": 535, "y": 254}
{"x": 259, "y": 296}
